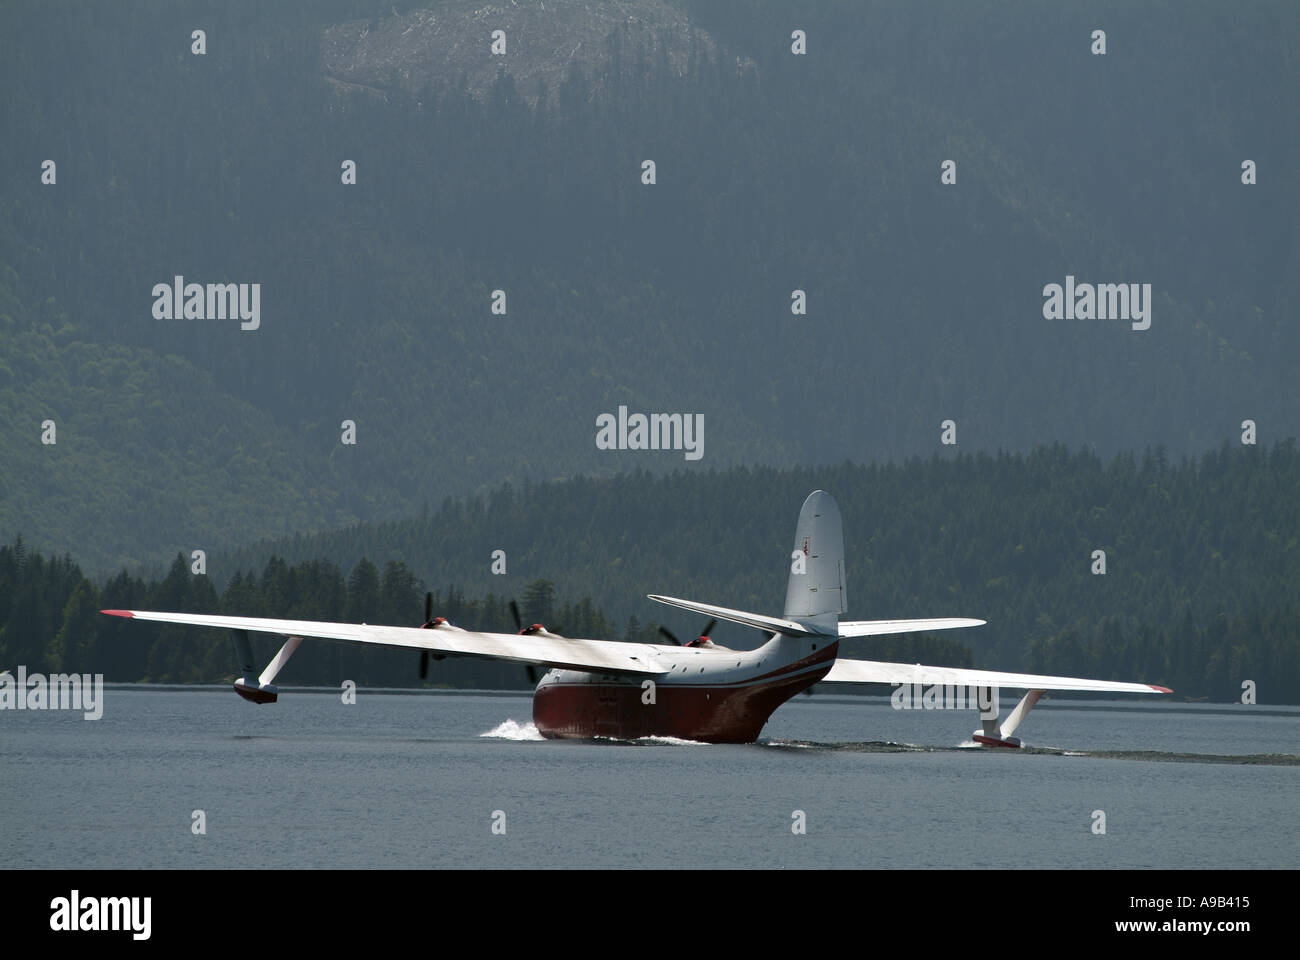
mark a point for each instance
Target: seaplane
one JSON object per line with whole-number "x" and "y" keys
{"x": 698, "y": 690}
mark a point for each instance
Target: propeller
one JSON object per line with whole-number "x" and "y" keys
{"x": 429, "y": 623}
{"x": 704, "y": 634}
{"x": 532, "y": 668}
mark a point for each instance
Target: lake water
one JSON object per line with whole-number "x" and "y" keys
{"x": 411, "y": 780}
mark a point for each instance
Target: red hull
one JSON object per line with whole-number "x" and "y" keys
{"x": 255, "y": 694}
{"x": 1013, "y": 742}
{"x": 714, "y": 713}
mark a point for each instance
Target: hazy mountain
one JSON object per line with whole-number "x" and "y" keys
{"x": 775, "y": 172}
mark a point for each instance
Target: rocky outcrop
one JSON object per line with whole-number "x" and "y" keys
{"x": 442, "y": 44}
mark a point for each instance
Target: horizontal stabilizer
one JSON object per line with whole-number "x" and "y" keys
{"x": 876, "y": 628}
{"x": 789, "y": 628}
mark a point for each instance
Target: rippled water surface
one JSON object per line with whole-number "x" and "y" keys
{"x": 419, "y": 779}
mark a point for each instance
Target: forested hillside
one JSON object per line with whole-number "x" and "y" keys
{"x": 1202, "y": 558}
{"x": 50, "y": 622}
{"x": 774, "y": 172}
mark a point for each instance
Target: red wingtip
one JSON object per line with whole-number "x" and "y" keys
{"x": 1159, "y": 689}
{"x": 118, "y": 613}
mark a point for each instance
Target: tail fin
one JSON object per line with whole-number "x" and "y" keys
{"x": 816, "y": 588}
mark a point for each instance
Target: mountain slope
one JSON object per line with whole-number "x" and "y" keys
{"x": 774, "y": 173}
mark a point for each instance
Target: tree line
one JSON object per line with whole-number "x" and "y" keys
{"x": 50, "y": 621}
{"x": 1199, "y": 590}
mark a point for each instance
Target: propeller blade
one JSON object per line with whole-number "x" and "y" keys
{"x": 708, "y": 627}
{"x": 428, "y": 618}
{"x": 669, "y": 635}
{"x": 514, "y": 612}
{"x": 532, "y": 673}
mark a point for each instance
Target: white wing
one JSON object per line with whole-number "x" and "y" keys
{"x": 594, "y": 656}
{"x": 872, "y": 671}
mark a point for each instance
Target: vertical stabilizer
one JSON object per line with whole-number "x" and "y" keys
{"x": 816, "y": 588}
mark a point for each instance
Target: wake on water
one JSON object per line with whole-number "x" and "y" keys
{"x": 512, "y": 730}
